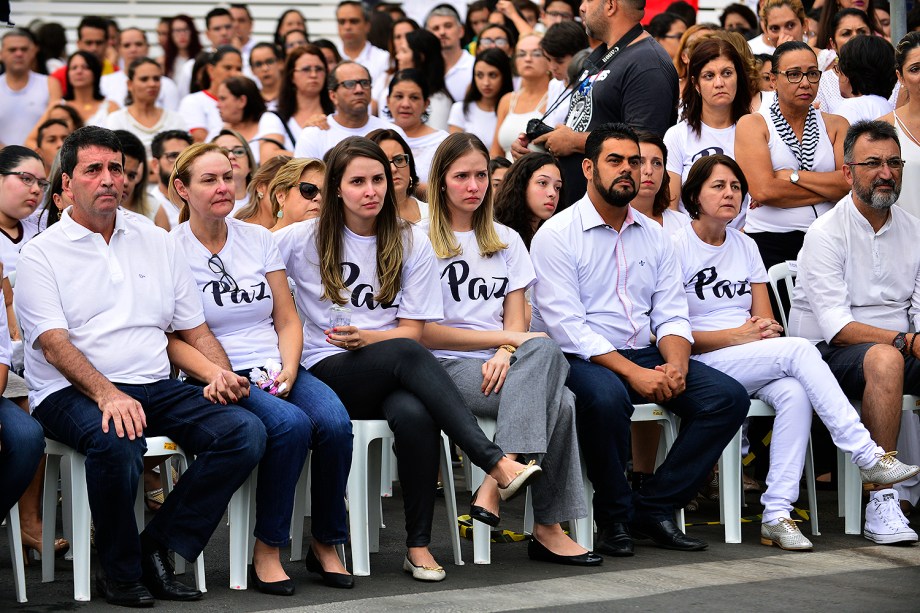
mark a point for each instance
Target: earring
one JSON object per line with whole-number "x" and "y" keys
{"x": 280, "y": 213}
{"x": 259, "y": 195}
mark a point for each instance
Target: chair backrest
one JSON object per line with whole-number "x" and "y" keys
{"x": 785, "y": 273}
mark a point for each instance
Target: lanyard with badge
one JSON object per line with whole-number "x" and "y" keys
{"x": 536, "y": 127}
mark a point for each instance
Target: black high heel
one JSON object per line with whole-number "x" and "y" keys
{"x": 285, "y": 587}
{"x": 480, "y": 514}
{"x": 339, "y": 580}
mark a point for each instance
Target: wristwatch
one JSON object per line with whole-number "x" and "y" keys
{"x": 900, "y": 343}
{"x": 794, "y": 177}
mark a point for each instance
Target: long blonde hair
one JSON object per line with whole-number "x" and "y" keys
{"x": 288, "y": 177}
{"x": 183, "y": 172}
{"x": 391, "y": 232}
{"x": 439, "y": 228}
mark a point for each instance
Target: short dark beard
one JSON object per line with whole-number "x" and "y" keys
{"x": 612, "y": 196}
{"x": 164, "y": 178}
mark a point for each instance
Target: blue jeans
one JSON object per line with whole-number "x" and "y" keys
{"x": 311, "y": 417}
{"x": 711, "y": 409}
{"x": 22, "y": 444}
{"x": 228, "y": 443}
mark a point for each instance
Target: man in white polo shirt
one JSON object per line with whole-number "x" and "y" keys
{"x": 96, "y": 294}
{"x": 350, "y": 91}
{"x": 858, "y": 297}
{"x": 444, "y": 22}
{"x": 354, "y": 26}
{"x": 607, "y": 282}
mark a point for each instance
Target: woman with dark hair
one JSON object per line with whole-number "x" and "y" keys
{"x": 739, "y": 18}
{"x": 359, "y": 255}
{"x": 134, "y": 191}
{"x": 502, "y": 371}
{"x": 84, "y": 72}
{"x": 290, "y": 20}
{"x": 398, "y": 32}
{"x": 496, "y": 36}
{"x": 141, "y": 116}
{"x": 51, "y": 39}
{"x": 883, "y": 18}
{"x": 498, "y": 168}
{"x": 241, "y": 160}
{"x": 303, "y": 100}
{"x": 906, "y": 120}
{"x": 294, "y": 39}
{"x": 422, "y": 52}
{"x": 477, "y": 19}
{"x": 183, "y": 45}
{"x": 330, "y": 52}
{"x": 529, "y": 194}
{"x": 653, "y": 196}
{"x": 477, "y": 113}
{"x": 867, "y": 75}
{"x": 266, "y": 60}
{"x": 716, "y": 94}
{"x": 667, "y": 29}
{"x": 734, "y": 331}
{"x": 791, "y": 154}
{"x": 829, "y": 12}
{"x": 405, "y": 177}
{"x": 200, "y": 109}
{"x": 408, "y": 100}
{"x": 244, "y": 291}
{"x": 241, "y": 107}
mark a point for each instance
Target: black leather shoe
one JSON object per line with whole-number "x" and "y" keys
{"x": 614, "y": 540}
{"x": 537, "y": 551}
{"x": 124, "y": 593}
{"x": 339, "y": 580}
{"x": 285, "y": 587}
{"x": 666, "y": 535}
{"x": 157, "y": 574}
{"x": 481, "y": 514}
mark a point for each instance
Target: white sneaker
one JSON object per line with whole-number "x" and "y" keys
{"x": 885, "y": 523}
{"x": 888, "y": 470}
{"x": 785, "y": 534}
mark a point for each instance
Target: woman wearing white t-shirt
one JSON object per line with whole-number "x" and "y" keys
{"x": 360, "y": 262}
{"x": 405, "y": 177}
{"x": 244, "y": 163}
{"x": 241, "y": 107}
{"x": 503, "y": 372}
{"x": 529, "y": 194}
{"x": 654, "y": 193}
{"x": 716, "y": 94}
{"x": 867, "y": 75}
{"x": 734, "y": 332}
{"x": 247, "y": 304}
{"x": 476, "y": 113}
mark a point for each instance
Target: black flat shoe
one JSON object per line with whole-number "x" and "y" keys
{"x": 481, "y": 514}
{"x": 614, "y": 540}
{"x": 339, "y": 580}
{"x": 124, "y": 593}
{"x": 285, "y": 587}
{"x": 538, "y": 551}
{"x": 666, "y": 535}
{"x": 158, "y": 577}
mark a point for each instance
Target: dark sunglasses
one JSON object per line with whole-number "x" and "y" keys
{"x": 308, "y": 190}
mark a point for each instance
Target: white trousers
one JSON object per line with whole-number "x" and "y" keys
{"x": 788, "y": 374}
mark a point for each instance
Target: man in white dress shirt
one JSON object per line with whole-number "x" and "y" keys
{"x": 350, "y": 91}
{"x": 607, "y": 281}
{"x": 444, "y": 22}
{"x": 858, "y": 297}
{"x": 354, "y": 25}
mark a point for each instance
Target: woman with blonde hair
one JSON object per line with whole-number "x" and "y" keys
{"x": 296, "y": 191}
{"x": 366, "y": 284}
{"x": 260, "y": 209}
{"x": 243, "y": 286}
{"x": 502, "y": 371}
{"x": 781, "y": 21}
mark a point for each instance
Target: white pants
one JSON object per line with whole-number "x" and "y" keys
{"x": 789, "y": 375}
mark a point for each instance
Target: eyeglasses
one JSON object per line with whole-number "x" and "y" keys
{"x": 559, "y": 15}
{"x": 269, "y": 62}
{"x": 172, "y": 156}
{"x": 493, "y": 42}
{"x": 227, "y": 283}
{"x": 353, "y": 83}
{"x": 239, "y": 152}
{"x": 29, "y": 180}
{"x": 309, "y": 190}
{"x": 400, "y": 161}
{"x": 310, "y": 69}
{"x": 535, "y": 54}
{"x": 873, "y": 164}
{"x": 795, "y": 76}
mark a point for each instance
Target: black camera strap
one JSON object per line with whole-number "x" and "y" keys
{"x": 591, "y": 71}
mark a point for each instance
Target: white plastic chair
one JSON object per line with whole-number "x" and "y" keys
{"x": 782, "y": 274}
{"x": 730, "y": 487}
{"x": 584, "y": 528}
{"x": 364, "y": 488}
{"x": 76, "y": 499}
{"x": 13, "y": 530}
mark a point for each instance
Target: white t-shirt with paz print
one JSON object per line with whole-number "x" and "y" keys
{"x": 419, "y": 297}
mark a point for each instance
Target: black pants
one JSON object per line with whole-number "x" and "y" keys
{"x": 5, "y": 11}
{"x": 401, "y": 381}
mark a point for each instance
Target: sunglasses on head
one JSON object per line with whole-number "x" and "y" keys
{"x": 308, "y": 190}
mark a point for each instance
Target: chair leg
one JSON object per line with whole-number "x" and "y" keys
{"x": 730, "y": 489}
{"x": 482, "y": 533}
{"x": 239, "y": 535}
{"x": 49, "y": 514}
{"x": 301, "y": 493}
{"x": 853, "y": 504}
{"x": 841, "y": 485}
{"x": 584, "y": 527}
{"x": 66, "y": 515}
{"x": 812, "y": 494}
{"x": 81, "y": 522}
{"x": 19, "y": 571}
{"x": 374, "y": 501}
{"x": 450, "y": 499}
{"x": 357, "y": 508}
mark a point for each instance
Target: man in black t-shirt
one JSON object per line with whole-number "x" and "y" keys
{"x": 636, "y": 85}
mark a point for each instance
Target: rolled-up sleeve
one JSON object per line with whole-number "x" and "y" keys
{"x": 557, "y": 297}
{"x": 670, "y": 315}
{"x": 824, "y": 281}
